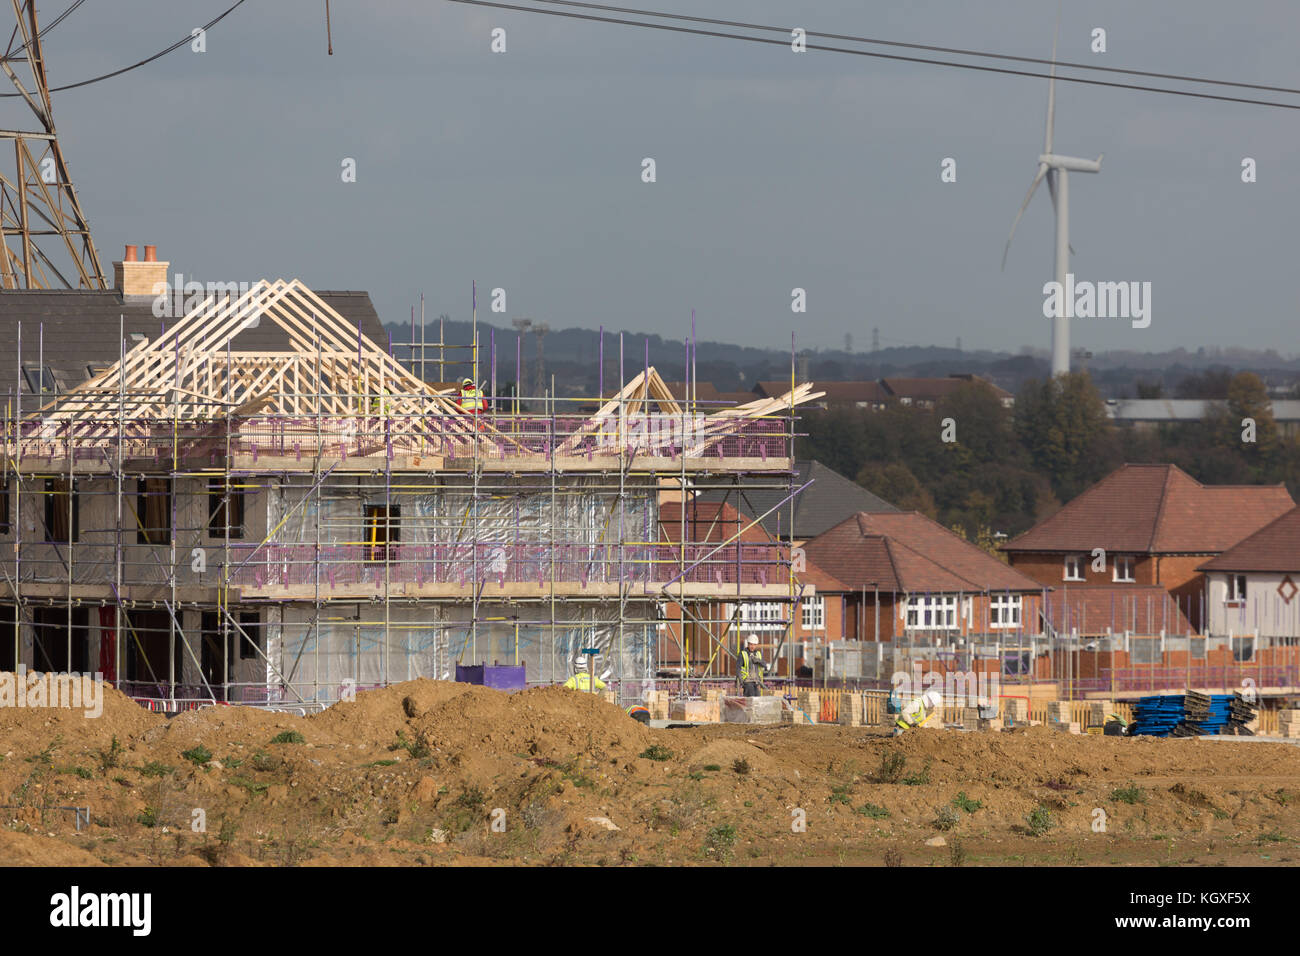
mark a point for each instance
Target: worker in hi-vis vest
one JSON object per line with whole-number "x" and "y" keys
{"x": 918, "y": 711}
{"x": 751, "y": 667}
{"x": 581, "y": 679}
{"x": 471, "y": 398}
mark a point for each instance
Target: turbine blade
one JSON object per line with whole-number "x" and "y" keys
{"x": 1038, "y": 178}
{"x": 1051, "y": 87}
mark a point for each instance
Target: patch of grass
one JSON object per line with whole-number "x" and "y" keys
{"x": 920, "y": 778}
{"x": 1040, "y": 821}
{"x": 892, "y": 763}
{"x": 712, "y": 767}
{"x": 81, "y": 772}
{"x": 1219, "y": 814}
{"x": 198, "y": 755}
{"x": 872, "y": 811}
{"x": 657, "y": 752}
{"x": 110, "y": 758}
{"x": 232, "y": 763}
{"x": 264, "y": 761}
{"x": 1272, "y": 836}
{"x": 741, "y": 766}
{"x": 155, "y": 769}
{"x": 947, "y": 819}
{"x": 841, "y": 794}
{"x": 1130, "y": 794}
{"x": 418, "y": 748}
{"x": 288, "y": 737}
{"x": 381, "y": 763}
{"x": 696, "y": 775}
{"x": 963, "y": 802}
{"x": 46, "y": 756}
{"x": 956, "y": 853}
{"x": 720, "y": 842}
{"x": 148, "y": 817}
{"x": 122, "y": 780}
{"x": 471, "y": 798}
{"x": 252, "y": 786}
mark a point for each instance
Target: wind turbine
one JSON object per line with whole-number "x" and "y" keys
{"x": 1056, "y": 168}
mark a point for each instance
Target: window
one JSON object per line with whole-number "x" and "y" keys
{"x": 218, "y": 527}
{"x": 1236, "y": 589}
{"x": 251, "y": 622}
{"x": 40, "y": 380}
{"x": 763, "y": 616}
{"x": 154, "y": 511}
{"x": 1124, "y": 568}
{"x": 60, "y": 499}
{"x": 932, "y": 612}
{"x": 383, "y": 528}
{"x": 1074, "y": 567}
{"x": 814, "y": 613}
{"x": 1004, "y": 611}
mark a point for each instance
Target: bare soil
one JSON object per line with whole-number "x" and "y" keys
{"x": 415, "y": 774}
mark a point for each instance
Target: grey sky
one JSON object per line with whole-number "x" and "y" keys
{"x": 775, "y": 170}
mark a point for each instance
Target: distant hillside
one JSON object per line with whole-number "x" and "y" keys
{"x": 571, "y": 356}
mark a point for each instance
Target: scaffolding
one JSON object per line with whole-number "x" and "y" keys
{"x": 203, "y": 524}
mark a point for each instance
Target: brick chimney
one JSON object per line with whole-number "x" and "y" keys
{"x": 135, "y": 278}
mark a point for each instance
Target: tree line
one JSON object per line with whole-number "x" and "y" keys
{"x": 1004, "y": 469}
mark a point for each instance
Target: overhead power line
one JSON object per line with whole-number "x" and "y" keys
{"x": 925, "y": 46}
{"x": 882, "y": 56}
{"x": 147, "y": 60}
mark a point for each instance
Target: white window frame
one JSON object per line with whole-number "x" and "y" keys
{"x": 1077, "y": 561}
{"x": 760, "y": 617}
{"x": 1005, "y": 611}
{"x": 1237, "y": 589}
{"x": 932, "y": 612}
{"x": 812, "y": 613}
{"x": 1124, "y": 560}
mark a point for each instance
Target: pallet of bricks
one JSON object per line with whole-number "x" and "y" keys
{"x": 852, "y": 709}
{"x": 1060, "y": 716}
{"x": 807, "y": 708}
{"x": 1015, "y": 711}
{"x": 972, "y": 718}
{"x": 1288, "y": 723}
{"x": 657, "y": 704}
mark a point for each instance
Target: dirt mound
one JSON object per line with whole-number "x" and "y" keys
{"x": 726, "y": 753}
{"x": 31, "y": 849}
{"x": 113, "y": 715}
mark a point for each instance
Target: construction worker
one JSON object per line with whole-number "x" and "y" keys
{"x": 918, "y": 711}
{"x": 751, "y": 667}
{"x": 581, "y": 679}
{"x": 640, "y": 713}
{"x": 471, "y": 398}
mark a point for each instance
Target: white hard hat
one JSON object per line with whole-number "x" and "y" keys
{"x": 752, "y": 639}
{"x": 580, "y": 663}
{"x": 932, "y": 698}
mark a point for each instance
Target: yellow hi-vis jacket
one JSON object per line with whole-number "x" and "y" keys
{"x": 751, "y": 668}
{"x": 914, "y": 714}
{"x": 582, "y": 681}
{"x": 471, "y": 400}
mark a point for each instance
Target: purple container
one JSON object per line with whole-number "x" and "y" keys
{"x": 497, "y": 676}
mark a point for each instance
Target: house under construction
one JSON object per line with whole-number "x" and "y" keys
{"x": 204, "y": 521}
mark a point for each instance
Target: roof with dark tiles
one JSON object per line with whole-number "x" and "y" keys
{"x": 70, "y": 330}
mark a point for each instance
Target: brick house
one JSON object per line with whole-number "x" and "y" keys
{"x": 1143, "y": 526}
{"x": 903, "y": 576}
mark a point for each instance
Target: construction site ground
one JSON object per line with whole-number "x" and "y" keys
{"x": 415, "y": 774}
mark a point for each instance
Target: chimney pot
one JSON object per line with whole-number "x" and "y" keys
{"x": 130, "y": 254}
{"x": 150, "y": 253}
